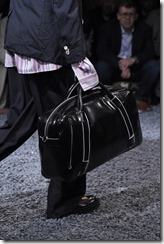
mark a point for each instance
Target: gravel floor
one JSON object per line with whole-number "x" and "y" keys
{"x": 128, "y": 187}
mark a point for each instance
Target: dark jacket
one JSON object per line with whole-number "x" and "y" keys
{"x": 48, "y": 30}
{"x": 109, "y": 42}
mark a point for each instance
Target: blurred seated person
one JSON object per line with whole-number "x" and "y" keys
{"x": 153, "y": 20}
{"x": 125, "y": 52}
{"x": 95, "y": 18}
{"x": 146, "y": 6}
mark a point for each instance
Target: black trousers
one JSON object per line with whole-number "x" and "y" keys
{"x": 45, "y": 91}
{"x": 21, "y": 121}
{"x": 48, "y": 90}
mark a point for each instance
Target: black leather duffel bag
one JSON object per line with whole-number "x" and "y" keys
{"x": 87, "y": 130}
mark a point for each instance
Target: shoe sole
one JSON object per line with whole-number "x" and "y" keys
{"x": 82, "y": 210}
{"x": 91, "y": 207}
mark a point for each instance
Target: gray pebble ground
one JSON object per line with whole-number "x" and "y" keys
{"x": 128, "y": 187}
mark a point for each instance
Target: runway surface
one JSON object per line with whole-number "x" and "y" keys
{"x": 128, "y": 187}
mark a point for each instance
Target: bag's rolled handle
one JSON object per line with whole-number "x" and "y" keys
{"x": 72, "y": 88}
{"x": 78, "y": 87}
{"x": 116, "y": 103}
{"x": 79, "y": 93}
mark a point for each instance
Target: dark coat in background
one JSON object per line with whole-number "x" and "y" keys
{"x": 109, "y": 42}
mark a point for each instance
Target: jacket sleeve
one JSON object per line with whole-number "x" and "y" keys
{"x": 69, "y": 20}
{"x": 143, "y": 47}
{"x": 108, "y": 42}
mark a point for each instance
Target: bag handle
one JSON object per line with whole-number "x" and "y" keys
{"x": 113, "y": 100}
{"x": 77, "y": 86}
{"x": 79, "y": 93}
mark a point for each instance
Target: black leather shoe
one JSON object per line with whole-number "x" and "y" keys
{"x": 86, "y": 205}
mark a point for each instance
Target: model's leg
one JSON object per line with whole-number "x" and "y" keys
{"x": 49, "y": 89}
{"x": 21, "y": 120}
{"x": 147, "y": 76}
{"x": 63, "y": 197}
{"x": 19, "y": 96}
{"x": 106, "y": 72}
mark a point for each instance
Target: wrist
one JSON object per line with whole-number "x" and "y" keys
{"x": 135, "y": 60}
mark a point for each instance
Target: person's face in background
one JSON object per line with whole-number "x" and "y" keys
{"x": 147, "y": 5}
{"x": 127, "y": 17}
{"x": 109, "y": 7}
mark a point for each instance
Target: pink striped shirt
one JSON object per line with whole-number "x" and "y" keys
{"x": 27, "y": 65}
{"x": 84, "y": 70}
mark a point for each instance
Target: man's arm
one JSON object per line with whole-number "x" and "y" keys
{"x": 108, "y": 42}
{"x": 143, "y": 48}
